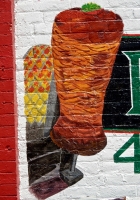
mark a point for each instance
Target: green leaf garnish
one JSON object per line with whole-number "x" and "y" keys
{"x": 90, "y": 7}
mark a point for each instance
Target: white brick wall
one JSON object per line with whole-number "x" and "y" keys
{"x": 102, "y": 177}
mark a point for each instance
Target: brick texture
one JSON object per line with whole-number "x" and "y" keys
{"x": 8, "y": 165}
{"x": 103, "y": 178}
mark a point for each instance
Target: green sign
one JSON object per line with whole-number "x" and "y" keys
{"x": 134, "y": 64}
{"x": 136, "y": 159}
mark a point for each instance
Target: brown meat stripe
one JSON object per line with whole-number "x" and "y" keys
{"x": 84, "y": 47}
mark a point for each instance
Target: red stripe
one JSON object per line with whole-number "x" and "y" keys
{"x": 5, "y": 167}
{"x": 8, "y": 122}
{"x": 8, "y": 190}
{"x": 123, "y": 131}
{"x": 131, "y": 35}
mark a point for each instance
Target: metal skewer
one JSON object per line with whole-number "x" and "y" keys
{"x": 71, "y": 175}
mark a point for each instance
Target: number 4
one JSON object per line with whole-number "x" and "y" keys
{"x": 136, "y": 159}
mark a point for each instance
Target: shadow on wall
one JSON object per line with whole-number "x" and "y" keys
{"x": 45, "y": 159}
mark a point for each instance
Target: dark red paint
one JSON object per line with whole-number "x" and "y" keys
{"x": 8, "y": 157}
{"x": 48, "y": 188}
{"x": 8, "y": 190}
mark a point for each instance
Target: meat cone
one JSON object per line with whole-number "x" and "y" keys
{"x": 84, "y": 48}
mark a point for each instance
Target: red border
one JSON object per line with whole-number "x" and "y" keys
{"x": 131, "y": 35}
{"x": 15, "y": 101}
{"x": 8, "y": 121}
{"x": 123, "y": 131}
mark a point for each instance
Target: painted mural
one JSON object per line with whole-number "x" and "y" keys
{"x": 84, "y": 46}
{"x": 42, "y": 111}
{"x": 85, "y": 83}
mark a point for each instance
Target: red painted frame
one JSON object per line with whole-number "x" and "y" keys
{"x": 8, "y": 121}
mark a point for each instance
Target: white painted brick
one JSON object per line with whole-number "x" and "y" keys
{"x": 42, "y": 39}
{"x": 132, "y": 25}
{"x": 50, "y": 16}
{"x": 20, "y": 91}
{"x": 24, "y": 6}
{"x": 125, "y": 13}
{"x": 114, "y": 179}
{"x": 25, "y": 29}
{"x": 137, "y": 13}
{"x": 132, "y": 179}
{"x": 28, "y": 198}
{"x": 124, "y": 3}
{"x": 119, "y": 141}
{"x": 25, "y": 183}
{"x": 107, "y": 154}
{"x": 74, "y": 192}
{"x": 112, "y": 191}
{"x": 124, "y": 168}
{"x": 21, "y": 51}
{"x": 21, "y": 110}
{"x": 95, "y": 180}
{"x": 89, "y": 158}
{"x": 24, "y": 171}
{"x": 19, "y": 64}
{"x": 93, "y": 168}
{"x": 22, "y": 156}
{"x": 77, "y": 3}
{"x": 26, "y": 194}
{"x": 132, "y": 198}
{"x": 52, "y": 5}
{"x": 138, "y": 190}
{"x": 23, "y": 40}
{"x": 20, "y": 99}
{"x": 20, "y": 75}
{"x": 22, "y": 145}
{"x": 43, "y": 28}
{"x": 126, "y": 134}
{"x": 132, "y": 32}
{"x": 22, "y": 133}
{"x": 32, "y": 17}
{"x": 22, "y": 122}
